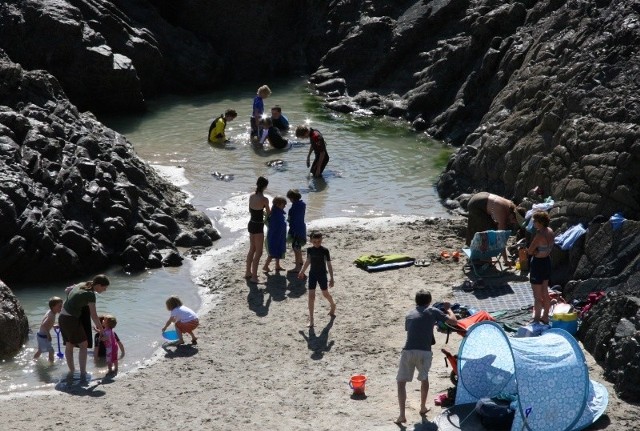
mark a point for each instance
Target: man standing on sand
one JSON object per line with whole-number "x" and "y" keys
{"x": 417, "y": 353}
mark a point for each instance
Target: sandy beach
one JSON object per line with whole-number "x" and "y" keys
{"x": 258, "y": 367}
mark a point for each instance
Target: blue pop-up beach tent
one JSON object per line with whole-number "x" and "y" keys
{"x": 548, "y": 374}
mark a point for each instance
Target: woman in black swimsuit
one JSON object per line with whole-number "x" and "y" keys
{"x": 540, "y": 266}
{"x": 258, "y": 204}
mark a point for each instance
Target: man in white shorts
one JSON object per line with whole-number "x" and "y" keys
{"x": 416, "y": 353}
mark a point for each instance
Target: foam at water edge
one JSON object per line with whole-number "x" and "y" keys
{"x": 175, "y": 175}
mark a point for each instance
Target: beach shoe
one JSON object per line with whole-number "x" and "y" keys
{"x": 456, "y": 256}
{"x": 422, "y": 262}
{"x": 445, "y": 254}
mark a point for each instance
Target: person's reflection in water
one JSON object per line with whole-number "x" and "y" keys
{"x": 45, "y": 371}
{"x": 317, "y": 184}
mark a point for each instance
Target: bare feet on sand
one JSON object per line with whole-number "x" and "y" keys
{"x": 279, "y": 268}
{"x": 400, "y": 420}
{"x": 309, "y": 323}
{"x": 424, "y": 411}
{"x": 265, "y": 269}
{"x": 332, "y": 312}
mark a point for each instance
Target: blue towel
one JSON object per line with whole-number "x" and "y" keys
{"x": 567, "y": 238}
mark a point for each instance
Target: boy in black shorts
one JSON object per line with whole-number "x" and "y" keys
{"x": 319, "y": 260}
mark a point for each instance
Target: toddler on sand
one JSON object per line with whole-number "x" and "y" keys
{"x": 184, "y": 318}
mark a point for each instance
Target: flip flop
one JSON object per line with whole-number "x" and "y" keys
{"x": 422, "y": 262}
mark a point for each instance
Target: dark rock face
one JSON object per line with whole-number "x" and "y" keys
{"x": 111, "y": 55}
{"x": 14, "y": 326}
{"x": 107, "y": 55}
{"x": 74, "y": 197}
{"x": 534, "y": 93}
{"x": 610, "y": 333}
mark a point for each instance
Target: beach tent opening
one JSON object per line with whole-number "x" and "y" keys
{"x": 548, "y": 374}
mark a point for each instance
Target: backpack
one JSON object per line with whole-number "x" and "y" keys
{"x": 495, "y": 414}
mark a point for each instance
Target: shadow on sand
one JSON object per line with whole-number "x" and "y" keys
{"x": 319, "y": 344}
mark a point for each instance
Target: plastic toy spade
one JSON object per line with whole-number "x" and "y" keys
{"x": 60, "y": 354}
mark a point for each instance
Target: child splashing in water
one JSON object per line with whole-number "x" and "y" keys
{"x": 185, "y": 319}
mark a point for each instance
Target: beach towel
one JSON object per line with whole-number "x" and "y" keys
{"x": 381, "y": 262}
{"x": 277, "y": 234}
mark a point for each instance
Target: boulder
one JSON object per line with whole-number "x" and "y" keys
{"x": 14, "y": 326}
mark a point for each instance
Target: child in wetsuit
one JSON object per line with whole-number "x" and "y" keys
{"x": 319, "y": 260}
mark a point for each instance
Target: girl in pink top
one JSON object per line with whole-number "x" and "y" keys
{"x": 110, "y": 343}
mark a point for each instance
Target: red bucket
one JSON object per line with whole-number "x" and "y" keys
{"x": 357, "y": 383}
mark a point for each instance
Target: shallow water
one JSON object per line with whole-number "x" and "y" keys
{"x": 377, "y": 168}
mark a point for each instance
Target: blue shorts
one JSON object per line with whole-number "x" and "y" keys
{"x": 540, "y": 269}
{"x": 318, "y": 279}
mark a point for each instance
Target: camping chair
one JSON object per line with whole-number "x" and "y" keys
{"x": 485, "y": 250}
{"x": 463, "y": 325}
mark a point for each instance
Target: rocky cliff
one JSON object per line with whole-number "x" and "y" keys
{"x": 74, "y": 197}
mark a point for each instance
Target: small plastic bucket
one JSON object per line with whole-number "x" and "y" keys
{"x": 357, "y": 383}
{"x": 170, "y": 335}
{"x": 566, "y": 321}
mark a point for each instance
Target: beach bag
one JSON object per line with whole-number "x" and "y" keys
{"x": 495, "y": 414}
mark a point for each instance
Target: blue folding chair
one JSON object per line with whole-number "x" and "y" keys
{"x": 484, "y": 252}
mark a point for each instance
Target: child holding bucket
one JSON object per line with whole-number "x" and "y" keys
{"x": 184, "y": 318}
{"x": 319, "y": 259}
{"x": 44, "y": 333}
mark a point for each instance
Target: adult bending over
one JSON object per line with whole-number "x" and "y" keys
{"x": 73, "y": 333}
{"x": 540, "y": 266}
{"x": 492, "y": 212}
{"x": 318, "y": 147}
{"x": 258, "y": 204}
{"x": 416, "y": 353}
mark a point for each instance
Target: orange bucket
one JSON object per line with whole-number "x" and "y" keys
{"x": 357, "y": 384}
